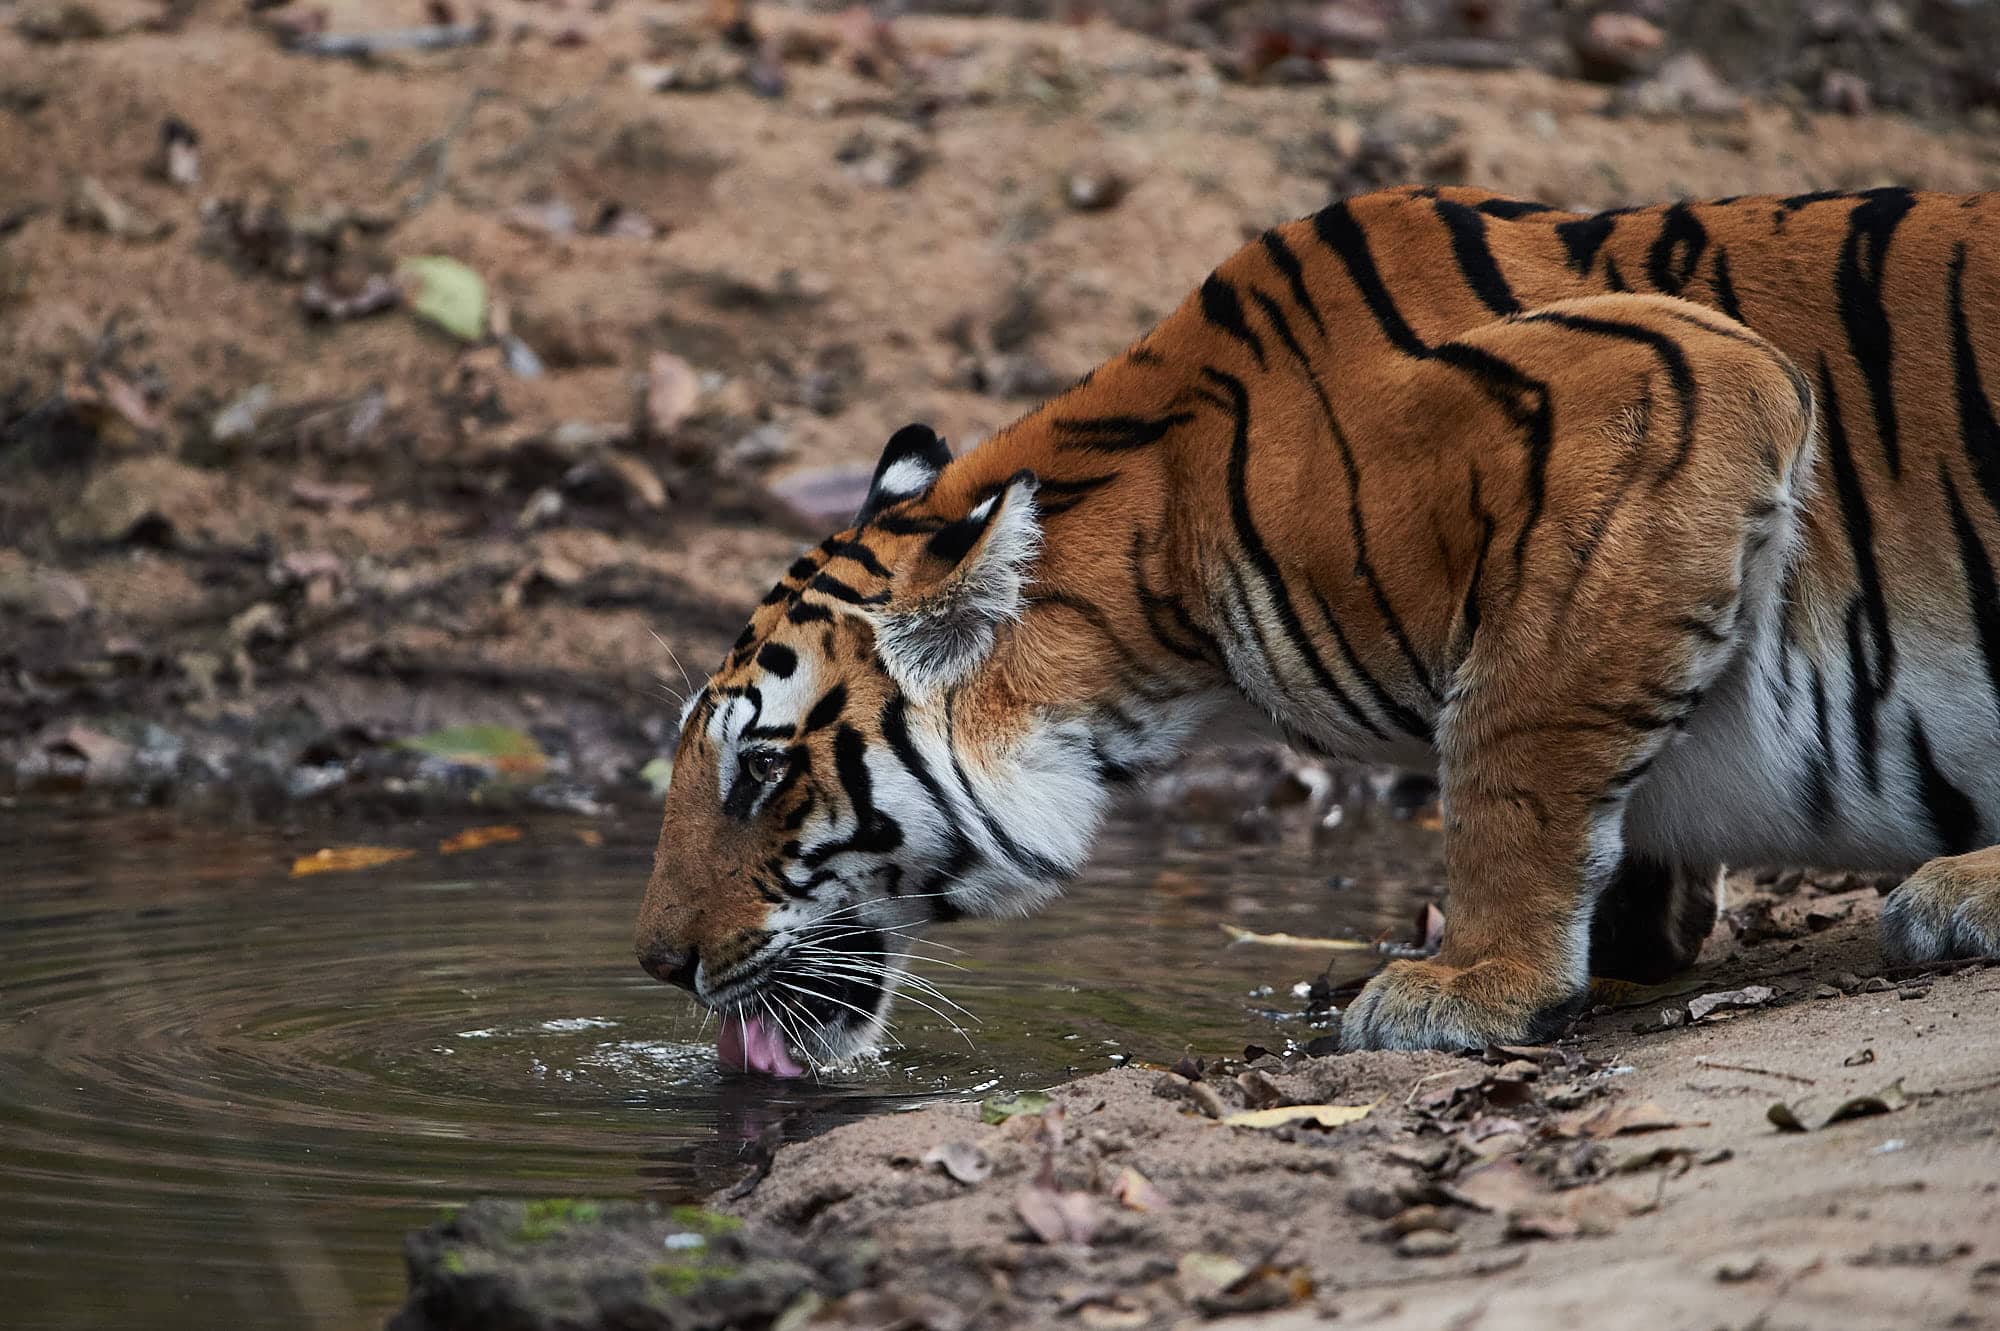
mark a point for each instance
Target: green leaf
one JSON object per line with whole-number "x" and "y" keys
{"x": 657, "y": 775}
{"x": 501, "y": 750}
{"x": 448, "y": 293}
{"x": 1000, "y": 1108}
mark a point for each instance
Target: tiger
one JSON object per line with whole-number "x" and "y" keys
{"x": 1661, "y": 536}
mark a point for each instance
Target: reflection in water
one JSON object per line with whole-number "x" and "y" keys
{"x": 225, "y": 1093}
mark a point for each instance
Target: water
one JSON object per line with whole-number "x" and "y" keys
{"x": 225, "y": 1093}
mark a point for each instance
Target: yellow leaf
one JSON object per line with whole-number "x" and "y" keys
{"x": 1237, "y": 935}
{"x": 347, "y": 858}
{"x": 1325, "y": 1116}
{"x": 474, "y": 838}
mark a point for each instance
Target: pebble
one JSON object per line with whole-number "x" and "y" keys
{"x": 1374, "y": 1202}
{"x": 1415, "y": 1219}
{"x": 1427, "y": 1243}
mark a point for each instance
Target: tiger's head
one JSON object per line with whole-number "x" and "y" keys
{"x": 885, "y": 747}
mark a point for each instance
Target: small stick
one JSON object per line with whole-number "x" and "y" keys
{"x": 1720, "y": 1066}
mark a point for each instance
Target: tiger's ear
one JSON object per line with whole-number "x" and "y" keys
{"x": 910, "y": 464}
{"x": 947, "y": 603}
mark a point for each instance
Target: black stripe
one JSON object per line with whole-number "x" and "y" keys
{"x": 827, "y": 710}
{"x": 1508, "y": 210}
{"x": 1676, "y": 250}
{"x": 1220, "y": 306}
{"x": 828, "y": 585}
{"x": 859, "y": 553}
{"x": 806, "y": 612}
{"x": 1724, "y": 289}
{"x": 1472, "y": 589}
{"x": 1339, "y": 232}
{"x": 1858, "y": 285}
{"x": 1671, "y": 358}
{"x": 1475, "y": 258}
{"x": 1871, "y": 679}
{"x": 962, "y": 855}
{"x": 777, "y": 658}
{"x": 1978, "y": 432}
{"x": 1981, "y": 594}
{"x": 1613, "y": 279}
{"x": 1295, "y": 277}
{"x": 1406, "y": 720}
{"x": 1167, "y": 617}
{"x": 1820, "y": 801}
{"x": 1584, "y": 237}
{"x": 1053, "y": 497}
{"x": 1031, "y": 862}
{"x": 1953, "y": 818}
{"x": 874, "y": 831}
{"x": 1136, "y": 671}
{"x": 1261, "y": 559}
{"x": 1357, "y": 526}
{"x": 1117, "y": 434}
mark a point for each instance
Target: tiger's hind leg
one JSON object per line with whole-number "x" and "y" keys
{"x": 1652, "y": 919}
{"x": 1949, "y": 908}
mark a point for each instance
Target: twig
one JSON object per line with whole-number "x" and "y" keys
{"x": 1720, "y": 1066}
{"x": 366, "y": 45}
{"x": 438, "y": 151}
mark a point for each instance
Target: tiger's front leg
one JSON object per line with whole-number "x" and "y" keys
{"x": 1661, "y": 551}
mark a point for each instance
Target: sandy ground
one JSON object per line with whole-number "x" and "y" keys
{"x": 250, "y": 545}
{"x": 1629, "y": 1176}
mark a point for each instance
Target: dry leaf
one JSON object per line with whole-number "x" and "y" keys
{"x": 1803, "y": 1117}
{"x": 1731, "y": 1000}
{"x": 1625, "y": 1117}
{"x": 962, "y": 1160}
{"x": 474, "y": 838}
{"x": 1200, "y": 1274}
{"x": 1136, "y": 1192}
{"x": 1502, "y": 1187}
{"x": 1325, "y": 1116}
{"x": 347, "y": 858}
{"x": 1237, "y": 935}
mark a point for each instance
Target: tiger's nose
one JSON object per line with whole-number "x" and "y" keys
{"x": 670, "y": 965}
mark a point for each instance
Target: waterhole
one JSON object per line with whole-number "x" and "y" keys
{"x": 226, "y": 1092}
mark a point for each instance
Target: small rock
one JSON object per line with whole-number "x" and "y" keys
{"x": 1090, "y": 189}
{"x": 825, "y": 495}
{"x": 1913, "y": 991}
{"x": 1736, "y": 1270}
{"x": 1374, "y": 1202}
{"x": 1427, "y": 1243}
{"x": 1413, "y": 1219}
{"x": 1845, "y": 981}
{"x": 239, "y": 419}
{"x": 47, "y": 595}
{"x": 673, "y": 389}
{"x": 1614, "y": 47}
{"x": 1845, "y": 91}
{"x": 885, "y": 159}
{"x": 1685, "y": 85}
{"x": 180, "y": 154}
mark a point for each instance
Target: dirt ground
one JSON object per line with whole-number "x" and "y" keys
{"x": 252, "y": 533}
{"x": 1629, "y": 1176}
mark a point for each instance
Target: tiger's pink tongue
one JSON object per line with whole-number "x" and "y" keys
{"x": 754, "y": 1045}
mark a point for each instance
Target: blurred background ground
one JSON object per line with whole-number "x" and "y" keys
{"x": 262, "y": 514}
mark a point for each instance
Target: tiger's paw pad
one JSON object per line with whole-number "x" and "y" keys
{"x": 1941, "y": 913}
{"x": 1429, "y": 1005}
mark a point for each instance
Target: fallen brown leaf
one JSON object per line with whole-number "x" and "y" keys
{"x": 346, "y": 859}
{"x": 1626, "y": 1116}
{"x": 1324, "y": 1116}
{"x": 1136, "y": 1192}
{"x": 1731, "y": 1000}
{"x": 475, "y": 838}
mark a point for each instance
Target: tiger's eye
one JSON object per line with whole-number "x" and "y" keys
{"x": 763, "y": 764}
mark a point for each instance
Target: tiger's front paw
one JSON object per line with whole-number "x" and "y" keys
{"x": 1429, "y": 1005}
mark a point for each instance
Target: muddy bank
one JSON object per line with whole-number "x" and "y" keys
{"x": 270, "y": 505}
{"x": 1786, "y": 1136}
